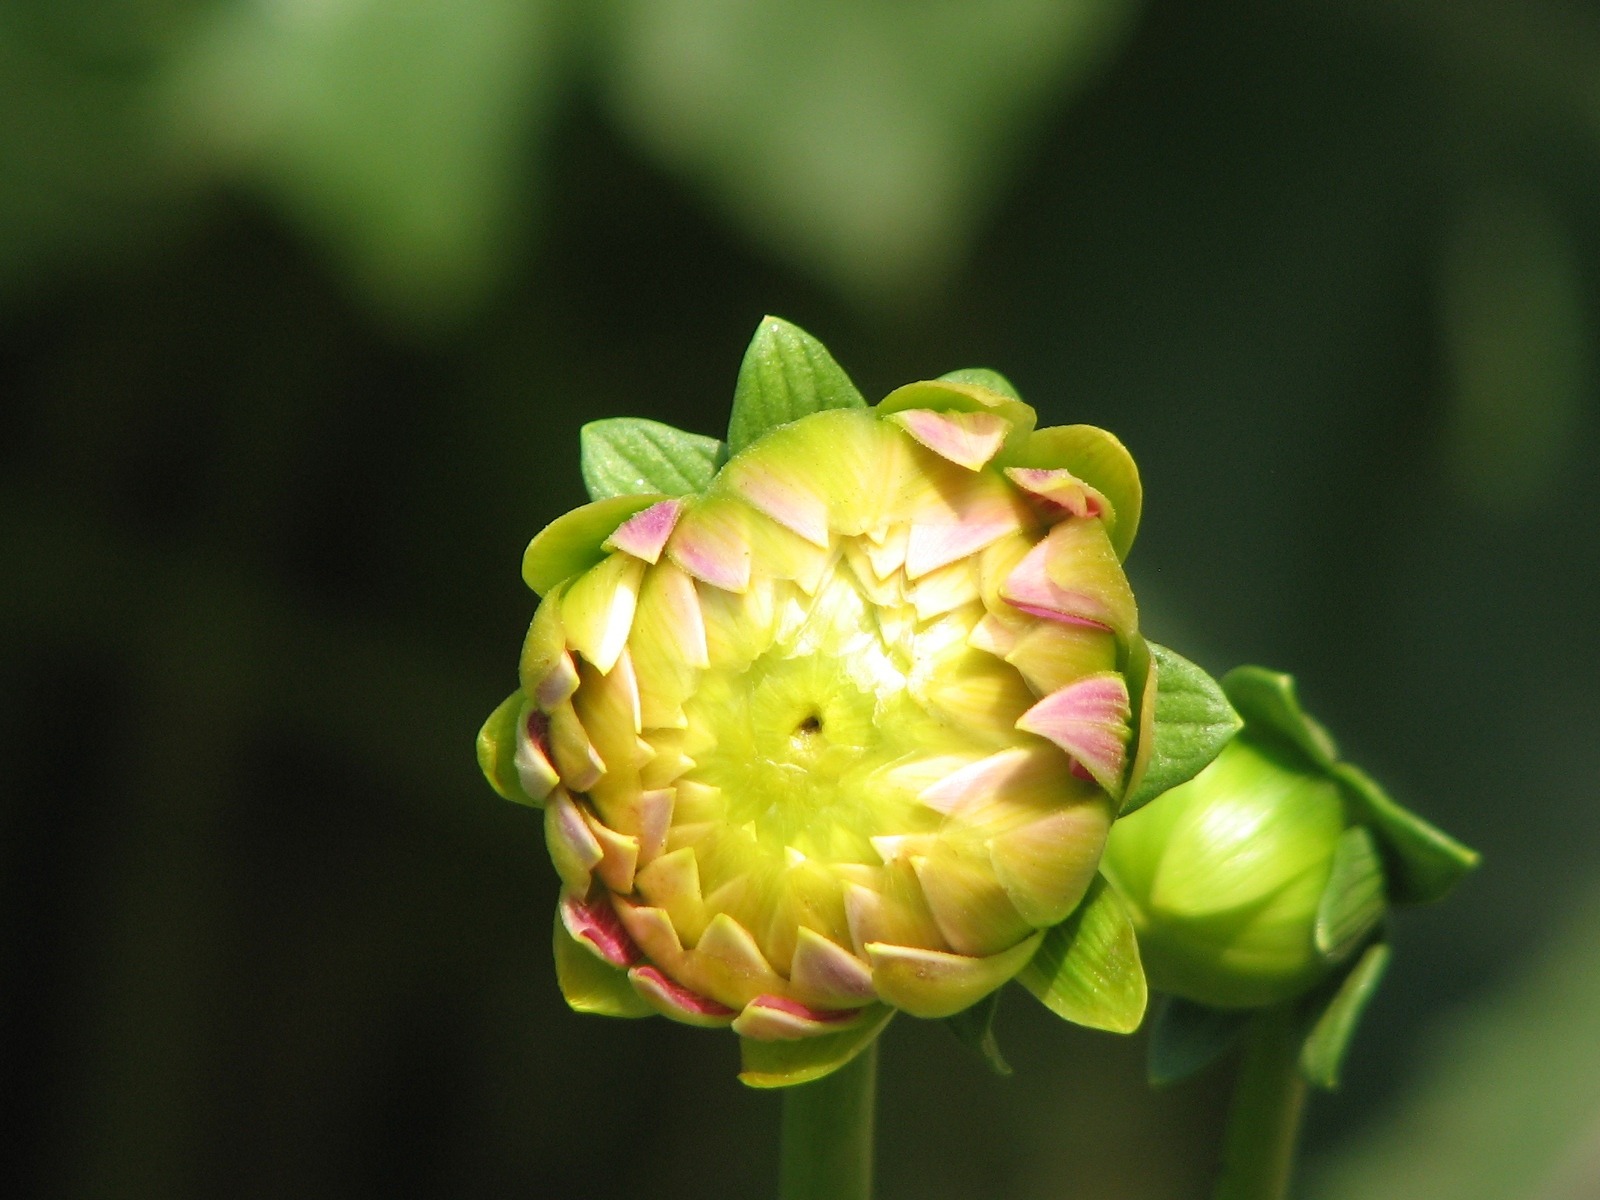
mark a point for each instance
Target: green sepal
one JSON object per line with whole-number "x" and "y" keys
{"x": 497, "y": 750}
{"x": 591, "y": 985}
{"x": 1353, "y": 902}
{"x": 1322, "y": 1055}
{"x": 1192, "y": 722}
{"x": 572, "y": 543}
{"x": 1267, "y": 702}
{"x": 985, "y": 378}
{"x": 630, "y": 456}
{"x": 974, "y": 1028}
{"x": 1101, "y": 461}
{"x": 1424, "y": 863}
{"x": 1087, "y": 969}
{"x": 1186, "y": 1038}
{"x": 784, "y": 1064}
{"x": 786, "y": 374}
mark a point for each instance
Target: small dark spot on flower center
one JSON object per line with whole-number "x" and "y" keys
{"x": 812, "y": 724}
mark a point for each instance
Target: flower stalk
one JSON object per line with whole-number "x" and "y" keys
{"x": 1263, "y": 1131}
{"x": 826, "y": 1152}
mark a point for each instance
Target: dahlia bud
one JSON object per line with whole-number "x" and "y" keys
{"x": 1270, "y": 874}
{"x": 832, "y": 721}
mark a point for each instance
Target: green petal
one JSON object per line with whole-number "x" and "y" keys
{"x": 497, "y": 749}
{"x": 1424, "y": 863}
{"x": 786, "y": 374}
{"x": 1323, "y": 1053}
{"x": 1087, "y": 971}
{"x": 1352, "y": 904}
{"x": 1268, "y": 703}
{"x": 1192, "y": 721}
{"x": 974, "y": 1029}
{"x": 985, "y": 378}
{"x": 1186, "y": 1038}
{"x": 591, "y": 985}
{"x": 571, "y": 543}
{"x": 784, "y": 1064}
{"x": 1101, "y": 461}
{"x": 629, "y": 456}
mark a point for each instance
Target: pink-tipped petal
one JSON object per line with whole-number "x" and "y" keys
{"x": 652, "y": 930}
{"x": 936, "y": 544}
{"x": 729, "y": 965}
{"x": 978, "y": 781}
{"x": 536, "y": 773}
{"x": 558, "y": 683}
{"x": 1089, "y": 720}
{"x": 644, "y": 535}
{"x": 970, "y": 907}
{"x": 828, "y": 973}
{"x": 712, "y": 543}
{"x": 1030, "y": 588}
{"x": 572, "y": 752}
{"x": 968, "y": 439}
{"x": 597, "y": 927}
{"x": 787, "y": 496}
{"x": 931, "y": 983}
{"x": 573, "y": 847}
{"x": 779, "y": 1019}
{"x": 1060, "y": 489}
{"x": 598, "y": 609}
{"x": 655, "y": 818}
{"x": 673, "y": 1000}
{"x": 619, "y": 854}
{"x": 1047, "y": 864}
{"x": 994, "y": 636}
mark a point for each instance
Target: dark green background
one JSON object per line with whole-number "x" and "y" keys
{"x": 269, "y": 455}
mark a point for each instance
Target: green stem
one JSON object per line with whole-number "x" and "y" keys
{"x": 1264, "y": 1121}
{"x": 827, "y": 1134}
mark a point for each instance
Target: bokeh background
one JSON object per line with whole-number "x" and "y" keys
{"x": 302, "y": 303}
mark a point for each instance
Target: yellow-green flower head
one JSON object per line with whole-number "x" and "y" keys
{"x": 840, "y": 732}
{"x": 1267, "y": 872}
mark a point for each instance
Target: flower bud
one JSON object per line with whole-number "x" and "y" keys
{"x": 1224, "y": 876}
{"x": 838, "y": 729}
{"x": 1268, "y": 871}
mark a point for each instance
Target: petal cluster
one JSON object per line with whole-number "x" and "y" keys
{"x": 841, "y": 734}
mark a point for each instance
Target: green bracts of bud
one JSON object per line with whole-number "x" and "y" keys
{"x": 834, "y": 726}
{"x": 1270, "y": 870}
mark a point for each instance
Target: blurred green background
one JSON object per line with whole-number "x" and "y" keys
{"x": 302, "y": 303}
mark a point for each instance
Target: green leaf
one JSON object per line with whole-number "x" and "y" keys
{"x": 1193, "y": 722}
{"x": 786, "y": 374}
{"x": 784, "y": 1064}
{"x": 1268, "y": 703}
{"x": 1323, "y": 1053}
{"x": 1087, "y": 970}
{"x": 629, "y": 456}
{"x": 571, "y": 543}
{"x": 497, "y": 749}
{"x": 1352, "y": 903}
{"x": 985, "y": 378}
{"x": 974, "y": 1028}
{"x": 1186, "y": 1038}
{"x": 1424, "y": 863}
{"x": 592, "y": 986}
{"x": 1100, "y": 460}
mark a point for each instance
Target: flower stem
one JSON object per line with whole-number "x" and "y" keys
{"x": 1264, "y": 1121}
{"x": 827, "y": 1134}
